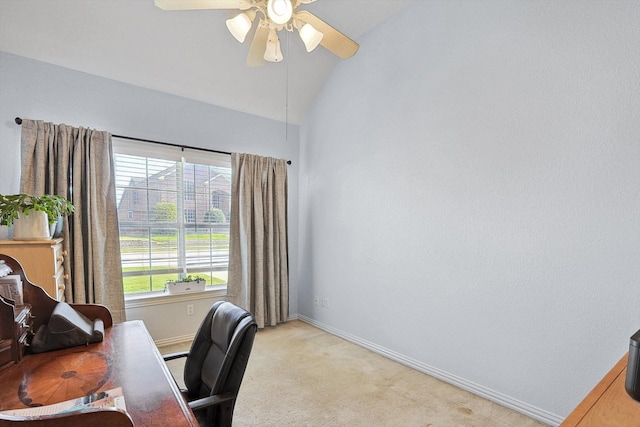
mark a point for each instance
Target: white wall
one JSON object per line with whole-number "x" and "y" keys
{"x": 36, "y": 90}
{"x": 470, "y": 194}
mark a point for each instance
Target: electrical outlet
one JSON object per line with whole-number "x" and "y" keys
{"x": 321, "y": 302}
{"x": 189, "y": 309}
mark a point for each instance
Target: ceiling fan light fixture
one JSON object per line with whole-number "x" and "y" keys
{"x": 273, "y": 53}
{"x": 310, "y": 36}
{"x": 279, "y": 11}
{"x": 275, "y": 15}
{"x": 239, "y": 26}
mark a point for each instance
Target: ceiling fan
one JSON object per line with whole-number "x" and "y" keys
{"x": 275, "y": 15}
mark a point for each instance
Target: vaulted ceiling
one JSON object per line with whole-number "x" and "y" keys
{"x": 185, "y": 53}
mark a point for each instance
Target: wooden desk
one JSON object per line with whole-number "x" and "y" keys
{"x": 608, "y": 404}
{"x": 127, "y": 358}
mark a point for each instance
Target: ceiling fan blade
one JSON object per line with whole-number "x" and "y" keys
{"x": 297, "y": 3}
{"x": 333, "y": 40}
{"x": 258, "y": 46}
{"x": 202, "y": 4}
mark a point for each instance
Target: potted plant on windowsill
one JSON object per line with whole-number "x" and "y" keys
{"x": 186, "y": 284}
{"x": 33, "y": 217}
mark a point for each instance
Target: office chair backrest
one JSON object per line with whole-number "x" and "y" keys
{"x": 220, "y": 351}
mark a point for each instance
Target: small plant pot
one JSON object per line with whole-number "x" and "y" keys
{"x": 34, "y": 226}
{"x": 185, "y": 287}
{"x": 55, "y": 229}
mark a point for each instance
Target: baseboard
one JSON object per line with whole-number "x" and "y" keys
{"x": 492, "y": 395}
{"x": 186, "y": 338}
{"x": 175, "y": 340}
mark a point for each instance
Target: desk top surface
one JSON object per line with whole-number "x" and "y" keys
{"x": 608, "y": 404}
{"x": 127, "y": 358}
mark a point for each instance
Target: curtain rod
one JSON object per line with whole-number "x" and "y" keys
{"x": 19, "y": 121}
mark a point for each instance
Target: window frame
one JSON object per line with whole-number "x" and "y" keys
{"x": 186, "y": 156}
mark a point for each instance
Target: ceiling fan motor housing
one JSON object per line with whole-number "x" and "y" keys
{"x": 279, "y": 11}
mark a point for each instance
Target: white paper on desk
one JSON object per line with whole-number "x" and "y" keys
{"x": 4, "y": 268}
{"x": 107, "y": 399}
{"x": 11, "y": 288}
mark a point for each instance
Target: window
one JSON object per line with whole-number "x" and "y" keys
{"x": 189, "y": 189}
{"x": 220, "y": 200}
{"x": 165, "y": 207}
{"x": 190, "y": 215}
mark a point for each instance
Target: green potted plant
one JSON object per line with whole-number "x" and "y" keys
{"x": 186, "y": 284}
{"x": 33, "y": 217}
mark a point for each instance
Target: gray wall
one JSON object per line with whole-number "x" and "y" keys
{"x": 36, "y": 90}
{"x": 470, "y": 195}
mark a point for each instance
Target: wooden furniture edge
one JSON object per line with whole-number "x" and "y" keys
{"x": 53, "y": 241}
{"x": 576, "y": 416}
{"x": 167, "y": 373}
{"x": 95, "y": 417}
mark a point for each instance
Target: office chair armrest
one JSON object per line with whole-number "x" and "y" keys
{"x": 210, "y": 401}
{"x": 178, "y": 355}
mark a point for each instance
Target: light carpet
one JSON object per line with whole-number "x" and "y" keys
{"x": 299, "y": 375}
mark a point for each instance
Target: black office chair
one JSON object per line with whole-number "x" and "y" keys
{"x": 216, "y": 363}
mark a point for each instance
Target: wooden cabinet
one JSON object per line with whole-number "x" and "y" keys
{"x": 42, "y": 262}
{"x": 608, "y": 404}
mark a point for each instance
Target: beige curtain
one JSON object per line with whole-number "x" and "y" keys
{"x": 258, "y": 249}
{"x": 76, "y": 163}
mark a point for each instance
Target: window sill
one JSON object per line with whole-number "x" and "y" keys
{"x": 162, "y": 297}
